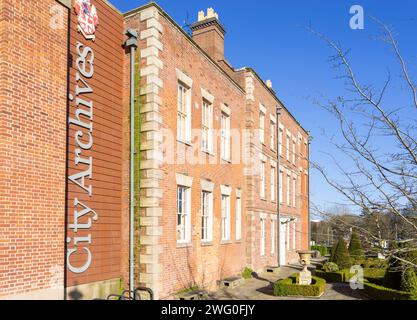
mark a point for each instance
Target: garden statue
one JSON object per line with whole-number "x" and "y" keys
{"x": 305, "y": 274}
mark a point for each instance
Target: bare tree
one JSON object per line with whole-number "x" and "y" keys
{"x": 379, "y": 178}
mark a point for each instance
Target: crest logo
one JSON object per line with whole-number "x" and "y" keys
{"x": 87, "y": 18}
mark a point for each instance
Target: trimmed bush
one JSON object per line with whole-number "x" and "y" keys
{"x": 341, "y": 255}
{"x": 377, "y": 281}
{"x": 370, "y": 263}
{"x": 321, "y": 249}
{"x": 409, "y": 282}
{"x": 330, "y": 267}
{"x": 331, "y": 277}
{"x": 247, "y": 273}
{"x": 333, "y": 250}
{"x": 383, "y": 293}
{"x": 374, "y": 273}
{"x": 355, "y": 247}
{"x": 290, "y": 287}
{"x": 329, "y": 250}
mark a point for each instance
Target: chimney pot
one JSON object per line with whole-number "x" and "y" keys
{"x": 208, "y": 33}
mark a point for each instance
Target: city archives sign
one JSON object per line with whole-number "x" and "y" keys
{"x": 83, "y": 124}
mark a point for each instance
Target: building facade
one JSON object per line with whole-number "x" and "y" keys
{"x": 220, "y": 166}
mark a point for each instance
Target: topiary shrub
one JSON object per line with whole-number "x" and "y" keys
{"x": 331, "y": 277}
{"x": 290, "y": 287}
{"x": 355, "y": 247}
{"x": 247, "y": 273}
{"x": 341, "y": 255}
{"x": 409, "y": 282}
{"x": 333, "y": 250}
{"x": 392, "y": 278}
{"x": 373, "y": 273}
{"x": 330, "y": 267}
{"x": 321, "y": 249}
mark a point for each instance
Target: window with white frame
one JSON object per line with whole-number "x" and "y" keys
{"x": 238, "y": 218}
{"x": 262, "y": 180}
{"x": 294, "y": 155}
{"x": 294, "y": 189}
{"x": 272, "y": 180}
{"x": 225, "y": 137}
{"x": 288, "y": 148}
{"x": 273, "y": 227}
{"x": 281, "y": 181}
{"x": 207, "y": 126}
{"x": 272, "y": 135}
{"x": 294, "y": 230}
{"x": 280, "y": 136}
{"x": 225, "y": 217}
{"x": 183, "y": 214}
{"x": 206, "y": 216}
{"x": 287, "y": 233}
{"x": 184, "y": 113}
{"x": 263, "y": 236}
{"x": 262, "y": 127}
{"x": 288, "y": 190}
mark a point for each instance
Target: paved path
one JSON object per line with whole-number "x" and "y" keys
{"x": 261, "y": 289}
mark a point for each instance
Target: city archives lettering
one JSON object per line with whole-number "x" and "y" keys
{"x": 83, "y": 121}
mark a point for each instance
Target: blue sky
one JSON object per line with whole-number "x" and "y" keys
{"x": 270, "y": 36}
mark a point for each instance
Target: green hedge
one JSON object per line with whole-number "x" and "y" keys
{"x": 331, "y": 277}
{"x": 379, "y": 292}
{"x": 290, "y": 287}
{"x": 371, "y": 263}
{"x": 321, "y": 249}
{"x": 373, "y": 273}
{"x": 247, "y": 273}
{"x": 345, "y": 275}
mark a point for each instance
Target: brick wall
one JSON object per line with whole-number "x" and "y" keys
{"x": 108, "y": 238}
{"x": 33, "y": 87}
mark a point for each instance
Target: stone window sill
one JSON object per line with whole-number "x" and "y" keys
{"x": 188, "y": 144}
{"x": 184, "y": 245}
{"x": 226, "y": 161}
{"x": 208, "y": 153}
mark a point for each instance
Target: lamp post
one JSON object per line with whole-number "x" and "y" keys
{"x": 278, "y": 111}
{"x": 132, "y": 43}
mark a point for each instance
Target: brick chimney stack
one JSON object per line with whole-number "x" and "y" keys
{"x": 208, "y": 33}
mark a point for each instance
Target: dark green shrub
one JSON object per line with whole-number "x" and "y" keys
{"x": 331, "y": 277}
{"x": 370, "y": 263}
{"x": 383, "y": 293}
{"x": 333, "y": 250}
{"x": 341, "y": 255}
{"x": 409, "y": 282}
{"x": 290, "y": 287}
{"x": 355, "y": 247}
{"x": 392, "y": 279}
{"x": 377, "y": 281}
{"x": 247, "y": 273}
{"x": 373, "y": 273}
{"x": 321, "y": 249}
{"x": 330, "y": 267}
{"x": 329, "y": 250}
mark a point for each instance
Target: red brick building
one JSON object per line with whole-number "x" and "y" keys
{"x": 206, "y": 165}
